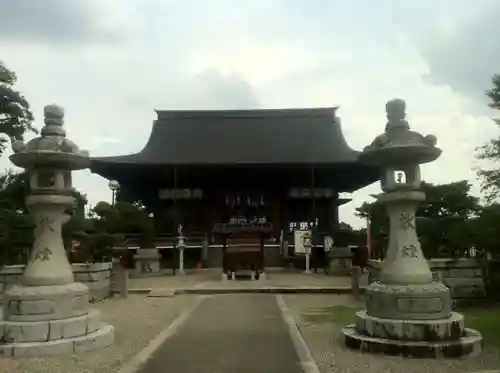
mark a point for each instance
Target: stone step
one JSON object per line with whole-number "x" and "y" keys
{"x": 468, "y": 345}
{"x": 102, "y": 337}
{"x": 451, "y": 328}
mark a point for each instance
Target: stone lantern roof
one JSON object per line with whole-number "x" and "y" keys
{"x": 399, "y": 145}
{"x": 52, "y": 148}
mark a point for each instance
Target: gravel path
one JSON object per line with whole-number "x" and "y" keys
{"x": 137, "y": 320}
{"x": 324, "y": 343}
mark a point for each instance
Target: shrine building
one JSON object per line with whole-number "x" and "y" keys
{"x": 241, "y": 180}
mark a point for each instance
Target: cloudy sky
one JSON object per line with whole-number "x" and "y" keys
{"x": 109, "y": 63}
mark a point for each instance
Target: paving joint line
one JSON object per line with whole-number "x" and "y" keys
{"x": 306, "y": 360}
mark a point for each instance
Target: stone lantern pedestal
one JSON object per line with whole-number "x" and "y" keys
{"x": 47, "y": 312}
{"x": 407, "y": 312}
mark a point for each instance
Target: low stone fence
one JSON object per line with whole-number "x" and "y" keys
{"x": 340, "y": 261}
{"x": 463, "y": 276}
{"x": 95, "y": 275}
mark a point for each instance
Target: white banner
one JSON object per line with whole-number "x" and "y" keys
{"x": 328, "y": 243}
{"x": 302, "y": 241}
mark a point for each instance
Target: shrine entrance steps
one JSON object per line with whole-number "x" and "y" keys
{"x": 226, "y": 334}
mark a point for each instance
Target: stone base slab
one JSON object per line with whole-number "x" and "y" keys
{"x": 408, "y": 302}
{"x": 470, "y": 344}
{"x": 38, "y": 303}
{"x": 411, "y": 330}
{"x": 100, "y": 338}
{"x": 44, "y": 331}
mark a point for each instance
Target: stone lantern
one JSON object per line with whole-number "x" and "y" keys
{"x": 47, "y": 312}
{"x": 407, "y": 312}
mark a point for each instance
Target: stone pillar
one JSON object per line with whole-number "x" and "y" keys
{"x": 308, "y": 263}
{"x": 47, "y": 312}
{"x": 122, "y": 279}
{"x": 334, "y": 213}
{"x": 355, "y": 275}
{"x": 308, "y": 247}
{"x": 181, "y": 261}
{"x": 407, "y": 312}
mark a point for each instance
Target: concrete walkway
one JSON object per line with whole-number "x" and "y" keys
{"x": 229, "y": 334}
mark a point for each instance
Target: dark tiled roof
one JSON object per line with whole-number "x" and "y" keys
{"x": 288, "y": 136}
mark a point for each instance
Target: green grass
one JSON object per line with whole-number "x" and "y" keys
{"x": 333, "y": 314}
{"x": 485, "y": 320}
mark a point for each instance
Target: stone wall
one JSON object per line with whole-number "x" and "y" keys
{"x": 95, "y": 275}
{"x": 463, "y": 276}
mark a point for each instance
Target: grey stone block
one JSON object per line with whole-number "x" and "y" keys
{"x": 468, "y": 345}
{"x": 411, "y": 330}
{"x": 38, "y": 303}
{"x": 68, "y": 328}
{"x": 6, "y": 351}
{"x": 93, "y": 321}
{"x": 35, "y": 331}
{"x": 463, "y": 273}
{"x": 97, "y": 285}
{"x": 99, "y": 339}
{"x": 162, "y": 293}
{"x": 41, "y": 348}
{"x": 412, "y": 302}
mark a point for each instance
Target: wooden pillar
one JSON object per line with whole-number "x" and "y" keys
{"x": 275, "y": 213}
{"x": 313, "y": 194}
{"x": 313, "y": 254}
{"x": 334, "y": 214}
{"x": 262, "y": 254}
{"x": 204, "y": 249}
{"x": 175, "y": 222}
{"x": 224, "y": 251}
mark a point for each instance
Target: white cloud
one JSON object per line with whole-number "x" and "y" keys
{"x": 272, "y": 54}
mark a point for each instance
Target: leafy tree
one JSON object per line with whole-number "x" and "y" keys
{"x": 16, "y": 225}
{"x": 124, "y": 218}
{"x": 491, "y": 150}
{"x": 15, "y": 114}
{"x": 347, "y": 235}
{"x": 484, "y": 229}
{"x": 443, "y": 221}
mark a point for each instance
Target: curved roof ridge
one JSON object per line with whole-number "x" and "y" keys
{"x": 247, "y": 113}
{"x": 279, "y": 136}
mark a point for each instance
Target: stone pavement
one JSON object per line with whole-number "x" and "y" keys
{"x": 226, "y": 334}
{"x": 211, "y": 279}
